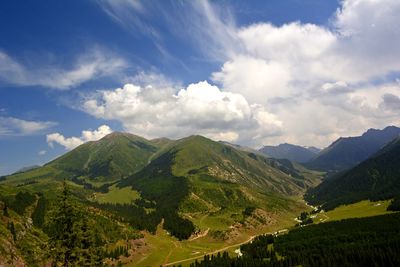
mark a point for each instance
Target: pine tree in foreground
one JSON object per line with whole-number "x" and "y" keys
{"x": 71, "y": 239}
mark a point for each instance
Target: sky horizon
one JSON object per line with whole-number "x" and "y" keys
{"x": 252, "y": 73}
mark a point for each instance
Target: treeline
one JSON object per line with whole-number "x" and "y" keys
{"x": 394, "y": 204}
{"x": 21, "y": 201}
{"x": 373, "y": 241}
{"x": 375, "y": 179}
{"x": 164, "y": 192}
{"x": 140, "y": 219}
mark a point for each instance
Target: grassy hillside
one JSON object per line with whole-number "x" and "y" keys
{"x": 375, "y": 178}
{"x": 201, "y": 192}
{"x": 214, "y": 186}
{"x": 115, "y": 156}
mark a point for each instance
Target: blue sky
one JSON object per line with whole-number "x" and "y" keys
{"x": 250, "y": 72}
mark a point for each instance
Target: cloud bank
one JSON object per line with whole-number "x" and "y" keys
{"x": 72, "y": 142}
{"x": 301, "y": 83}
{"x": 199, "y": 108}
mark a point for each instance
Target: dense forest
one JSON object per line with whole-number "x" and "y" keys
{"x": 376, "y": 178}
{"x": 373, "y": 241}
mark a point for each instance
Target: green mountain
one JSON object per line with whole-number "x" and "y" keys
{"x": 196, "y": 176}
{"x": 347, "y": 152}
{"x": 111, "y": 158}
{"x": 188, "y": 186}
{"x": 291, "y": 152}
{"x": 376, "y": 178}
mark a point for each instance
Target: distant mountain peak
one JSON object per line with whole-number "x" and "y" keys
{"x": 288, "y": 151}
{"x": 346, "y": 152}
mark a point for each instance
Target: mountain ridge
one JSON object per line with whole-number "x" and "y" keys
{"x": 346, "y": 152}
{"x": 291, "y": 152}
{"x": 376, "y": 178}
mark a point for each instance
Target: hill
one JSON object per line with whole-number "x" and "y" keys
{"x": 291, "y": 152}
{"x": 197, "y": 177}
{"x": 181, "y": 178}
{"x": 192, "y": 188}
{"x": 376, "y": 178}
{"x": 346, "y": 152}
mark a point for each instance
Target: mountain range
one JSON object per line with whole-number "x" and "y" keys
{"x": 179, "y": 180}
{"x": 194, "y": 187}
{"x": 347, "y": 152}
{"x": 291, "y": 152}
{"x": 375, "y": 178}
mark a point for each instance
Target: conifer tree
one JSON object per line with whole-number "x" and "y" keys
{"x": 72, "y": 240}
{"x": 5, "y": 210}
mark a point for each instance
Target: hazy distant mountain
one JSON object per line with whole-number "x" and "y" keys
{"x": 314, "y": 149}
{"x": 291, "y": 152}
{"x": 376, "y": 178}
{"x": 346, "y": 152}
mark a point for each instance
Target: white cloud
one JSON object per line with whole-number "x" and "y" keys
{"x": 42, "y": 152}
{"x": 72, "y": 142}
{"x": 314, "y": 82}
{"x": 200, "y": 108}
{"x": 10, "y": 126}
{"x": 321, "y": 82}
{"x": 93, "y": 64}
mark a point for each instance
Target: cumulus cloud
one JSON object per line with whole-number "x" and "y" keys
{"x": 90, "y": 65}
{"x": 10, "y": 126}
{"x": 199, "y": 108}
{"x": 314, "y": 82}
{"x": 42, "y": 152}
{"x": 321, "y": 81}
{"x": 72, "y": 142}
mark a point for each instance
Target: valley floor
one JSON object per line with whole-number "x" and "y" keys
{"x": 163, "y": 249}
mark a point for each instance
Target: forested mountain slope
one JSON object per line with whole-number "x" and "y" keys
{"x": 346, "y": 152}
{"x": 376, "y": 178}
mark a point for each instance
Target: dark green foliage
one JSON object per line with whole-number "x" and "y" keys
{"x": 375, "y": 179}
{"x": 38, "y": 215}
{"x": 11, "y": 228}
{"x": 303, "y": 216}
{"x": 89, "y": 186}
{"x": 29, "y": 182}
{"x": 21, "y": 201}
{"x": 117, "y": 252}
{"x": 248, "y": 211}
{"x": 158, "y": 185}
{"x": 134, "y": 215}
{"x": 72, "y": 240}
{"x": 394, "y": 204}
{"x": 3, "y": 178}
{"x": 5, "y": 210}
{"x": 373, "y": 241}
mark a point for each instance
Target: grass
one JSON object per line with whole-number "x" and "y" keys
{"x": 360, "y": 209}
{"x": 117, "y": 195}
{"x": 164, "y": 249}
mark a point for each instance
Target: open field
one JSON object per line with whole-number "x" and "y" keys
{"x": 117, "y": 195}
{"x": 360, "y": 209}
{"x": 166, "y": 250}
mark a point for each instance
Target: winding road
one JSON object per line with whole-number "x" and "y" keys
{"x": 210, "y": 253}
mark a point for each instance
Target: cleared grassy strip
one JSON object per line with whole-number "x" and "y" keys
{"x": 118, "y": 195}
{"x": 360, "y": 209}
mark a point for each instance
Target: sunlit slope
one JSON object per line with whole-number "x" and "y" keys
{"x": 214, "y": 184}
